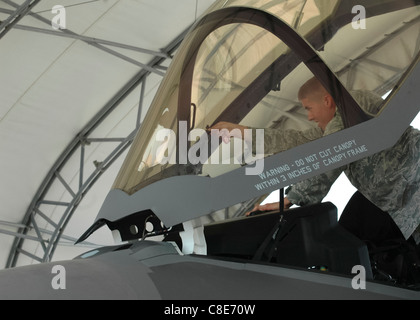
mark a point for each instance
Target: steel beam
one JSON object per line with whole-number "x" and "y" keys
{"x": 70, "y": 33}
{"x": 92, "y": 40}
{"x": 16, "y": 16}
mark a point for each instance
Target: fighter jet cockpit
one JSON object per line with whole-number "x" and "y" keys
{"x": 244, "y": 63}
{"x": 246, "y": 66}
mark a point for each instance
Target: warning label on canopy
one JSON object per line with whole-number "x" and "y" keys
{"x": 310, "y": 163}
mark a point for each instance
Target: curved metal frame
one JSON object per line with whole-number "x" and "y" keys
{"x": 79, "y": 143}
{"x": 351, "y": 111}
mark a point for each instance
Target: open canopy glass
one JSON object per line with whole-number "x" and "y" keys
{"x": 244, "y": 63}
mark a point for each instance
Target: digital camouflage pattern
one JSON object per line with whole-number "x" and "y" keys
{"x": 390, "y": 179}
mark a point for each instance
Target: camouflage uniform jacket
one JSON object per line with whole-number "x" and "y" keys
{"x": 390, "y": 179}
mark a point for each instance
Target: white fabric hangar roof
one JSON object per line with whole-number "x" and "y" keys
{"x": 70, "y": 100}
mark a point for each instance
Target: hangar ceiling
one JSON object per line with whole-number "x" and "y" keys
{"x": 76, "y": 83}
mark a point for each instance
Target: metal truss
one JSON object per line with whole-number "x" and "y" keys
{"x": 49, "y": 237}
{"x": 15, "y": 16}
{"x": 97, "y": 43}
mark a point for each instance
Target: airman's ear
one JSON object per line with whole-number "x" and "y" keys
{"x": 329, "y": 101}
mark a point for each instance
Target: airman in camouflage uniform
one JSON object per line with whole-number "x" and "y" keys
{"x": 390, "y": 179}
